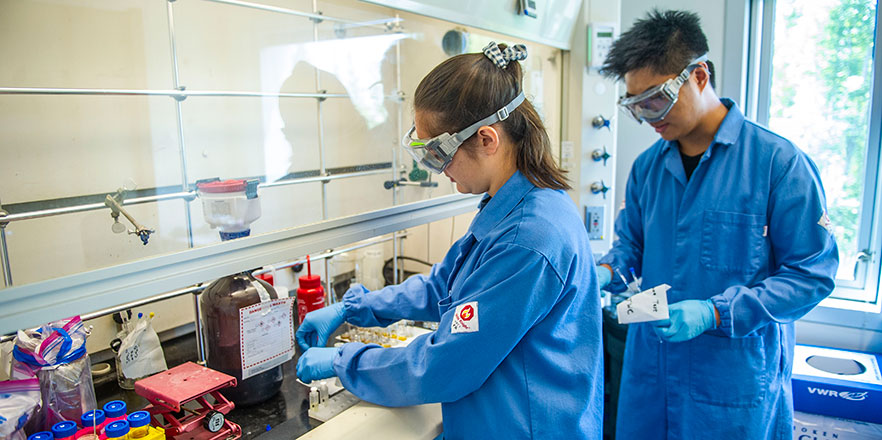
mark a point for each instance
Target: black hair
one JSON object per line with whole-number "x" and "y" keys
{"x": 469, "y": 87}
{"x": 664, "y": 41}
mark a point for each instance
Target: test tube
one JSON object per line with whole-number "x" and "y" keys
{"x": 625, "y": 280}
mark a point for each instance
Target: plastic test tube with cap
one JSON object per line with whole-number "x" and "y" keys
{"x": 139, "y": 424}
{"x": 64, "y": 430}
{"x": 115, "y": 410}
{"x": 118, "y": 430}
{"x": 93, "y": 425}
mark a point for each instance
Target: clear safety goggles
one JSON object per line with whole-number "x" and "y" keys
{"x": 436, "y": 153}
{"x": 654, "y": 104}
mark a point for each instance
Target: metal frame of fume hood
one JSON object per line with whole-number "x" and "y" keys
{"x": 138, "y": 282}
{"x": 36, "y": 303}
{"x": 179, "y": 94}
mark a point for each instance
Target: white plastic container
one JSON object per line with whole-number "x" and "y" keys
{"x": 230, "y": 205}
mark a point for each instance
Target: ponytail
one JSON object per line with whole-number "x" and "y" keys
{"x": 468, "y": 87}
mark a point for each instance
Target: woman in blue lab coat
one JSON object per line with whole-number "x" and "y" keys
{"x": 517, "y": 353}
{"x": 733, "y": 218}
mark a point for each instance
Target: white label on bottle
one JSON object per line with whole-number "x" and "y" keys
{"x": 266, "y": 335}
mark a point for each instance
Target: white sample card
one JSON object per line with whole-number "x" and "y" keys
{"x": 648, "y": 305}
{"x": 266, "y": 335}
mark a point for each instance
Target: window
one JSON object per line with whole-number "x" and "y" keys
{"x": 820, "y": 62}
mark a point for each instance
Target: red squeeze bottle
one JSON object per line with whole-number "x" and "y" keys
{"x": 310, "y": 294}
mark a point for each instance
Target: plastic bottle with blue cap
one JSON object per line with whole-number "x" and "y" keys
{"x": 93, "y": 424}
{"x": 44, "y": 435}
{"x": 115, "y": 410}
{"x": 139, "y": 424}
{"x": 65, "y": 430}
{"x": 118, "y": 430}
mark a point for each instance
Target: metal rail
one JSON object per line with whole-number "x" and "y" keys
{"x": 177, "y": 94}
{"x": 314, "y": 16}
{"x": 196, "y": 290}
{"x": 189, "y": 196}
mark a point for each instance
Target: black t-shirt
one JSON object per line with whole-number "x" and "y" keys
{"x": 690, "y": 163}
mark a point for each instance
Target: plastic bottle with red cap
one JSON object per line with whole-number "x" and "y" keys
{"x": 310, "y": 294}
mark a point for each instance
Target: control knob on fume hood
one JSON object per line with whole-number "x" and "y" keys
{"x": 599, "y": 187}
{"x": 599, "y": 155}
{"x": 599, "y": 122}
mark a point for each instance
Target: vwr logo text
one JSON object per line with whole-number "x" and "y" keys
{"x": 847, "y": 395}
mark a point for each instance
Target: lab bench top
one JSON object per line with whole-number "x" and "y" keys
{"x": 285, "y": 415}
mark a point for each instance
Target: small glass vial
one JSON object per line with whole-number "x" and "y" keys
{"x": 139, "y": 424}
{"x": 118, "y": 430}
{"x": 323, "y": 392}
{"x": 313, "y": 398}
{"x": 44, "y": 435}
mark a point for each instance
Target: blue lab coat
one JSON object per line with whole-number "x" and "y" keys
{"x": 532, "y": 367}
{"x": 748, "y": 231}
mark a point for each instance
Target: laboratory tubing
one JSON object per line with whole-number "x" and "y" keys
{"x": 139, "y": 424}
{"x": 115, "y": 410}
{"x": 64, "y": 430}
{"x": 117, "y": 430}
{"x": 44, "y": 435}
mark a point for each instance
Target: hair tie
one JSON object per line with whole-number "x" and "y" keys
{"x": 502, "y": 57}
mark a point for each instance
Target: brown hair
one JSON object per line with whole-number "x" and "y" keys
{"x": 469, "y": 87}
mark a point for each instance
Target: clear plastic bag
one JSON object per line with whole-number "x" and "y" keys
{"x": 6, "y": 360}
{"x": 19, "y": 403}
{"x": 56, "y": 355}
{"x": 140, "y": 354}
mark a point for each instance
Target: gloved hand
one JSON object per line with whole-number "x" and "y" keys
{"x": 318, "y": 325}
{"x": 604, "y": 276}
{"x": 688, "y": 319}
{"x": 316, "y": 363}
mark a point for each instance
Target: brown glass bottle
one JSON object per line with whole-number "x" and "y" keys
{"x": 221, "y": 302}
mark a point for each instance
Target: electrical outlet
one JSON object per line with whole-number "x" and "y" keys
{"x": 594, "y": 222}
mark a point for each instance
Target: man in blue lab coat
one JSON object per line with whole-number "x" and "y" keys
{"x": 733, "y": 218}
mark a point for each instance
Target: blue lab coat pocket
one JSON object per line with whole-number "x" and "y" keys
{"x": 733, "y": 242}
{"x": 727, "y": 371}
{"x": 444, "y": 304}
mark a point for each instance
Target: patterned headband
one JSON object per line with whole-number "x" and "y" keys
{"x": 502, "y": 57}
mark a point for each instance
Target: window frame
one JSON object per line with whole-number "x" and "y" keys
{"x": 862, "y": 294}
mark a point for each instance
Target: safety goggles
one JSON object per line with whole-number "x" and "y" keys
{"x": 654, "y": 104}
{"x": 436, "y": 153}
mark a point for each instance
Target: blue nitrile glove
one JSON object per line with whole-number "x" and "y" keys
{"x": 604, "y": 276}
{"x": 318, "y": 325}
{"x": 316, "y": 363}
{"x": 688, "y": 319}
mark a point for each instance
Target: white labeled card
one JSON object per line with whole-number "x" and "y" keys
{"x": 648, "y": 305}
{"x": 266, "y": 335}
